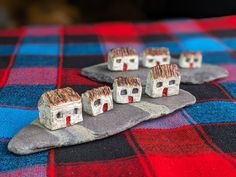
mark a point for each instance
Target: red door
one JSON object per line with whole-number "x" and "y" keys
{"x": 105, "y": 107}
{"x": 68, "y": 121}
{"x": 165, "y": 92}
{"x": 124, "y": 67}
{"x": 130, "y": 99}
{"x": 157, "y": 63}
{"x": 190, "y": 65}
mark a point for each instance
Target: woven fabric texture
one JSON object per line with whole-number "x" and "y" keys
{"x": 199, "y": 140}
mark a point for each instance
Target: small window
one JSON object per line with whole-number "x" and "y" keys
{"x": 150, "y": 60}
{"x": 118, "y": 60}
{"x": 159, "y": 84}
{"x": 97, "y": 102}
{"x": 164, "y": 59}
{"x": 76, "y": 110}
{"x": 171, "y": 82}
{"x": 123, "y": 92}
{"x": 132, "y": 60}
{"x": 187, "y": 59}
{"x": 195, "y": 60}
{"x": 59, "y": 115}
{"x": 135, "y": 90}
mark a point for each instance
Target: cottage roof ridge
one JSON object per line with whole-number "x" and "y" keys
{"x": 97, "y": 92}
{"x": 165, "y": 71}
{"x": 190, "y": 53}
{"x": 131, "y": 81}
{"x": 59, "y": 96}
{"x": 156, "y": 51}
{"x": 122, "y": 52}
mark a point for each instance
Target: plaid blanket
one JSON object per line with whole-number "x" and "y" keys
{"x": 199, "y": 140}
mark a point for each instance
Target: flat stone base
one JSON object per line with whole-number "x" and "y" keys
{"x": 194, "y": 76}
{"x": 35, "y": 137}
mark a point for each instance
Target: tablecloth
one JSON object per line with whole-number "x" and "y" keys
{"x": 199, "y": 140}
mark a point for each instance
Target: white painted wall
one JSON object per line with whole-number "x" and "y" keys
{"x": 118, "y": 98}
{"x": 48, "y": 115}
{"x": 116, "y": 64}
{"x": 185, "y": 62}
{"x": 91, "y": 109}
{"x": 149, "y": 61}
{"x": 152, "y": 90}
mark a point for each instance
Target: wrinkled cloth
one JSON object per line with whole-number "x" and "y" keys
{"x": 199, "y": 140}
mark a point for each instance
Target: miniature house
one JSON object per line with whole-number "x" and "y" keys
{"x": 155, "y": 56}
{"x": 163, "y": 80}
{"x": 97, "y": 100}
{"x": 123, "y": 59}
{"x": 127, "y": 89}
{"x": 60, "y": 108}
{"x": 190, "y": 60}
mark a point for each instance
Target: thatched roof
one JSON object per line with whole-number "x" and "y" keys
{"x": 156, "y": 51}
{"x": 59, "y": 96}
{"x": 191, "y": 54}
{"x": 165, "y": 71}
{"x": 122, "y": 52}
{"x": 127, "y": 81}
{"x": 96, "y": 93}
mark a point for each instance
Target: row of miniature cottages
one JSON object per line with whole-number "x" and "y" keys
{"x": 123, "y": 59}
{"x": 63, "y": 107}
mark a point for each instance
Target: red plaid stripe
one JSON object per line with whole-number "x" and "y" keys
{"x": 188, "y": 148}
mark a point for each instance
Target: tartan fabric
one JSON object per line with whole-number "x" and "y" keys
{"x": 199, "y": 140}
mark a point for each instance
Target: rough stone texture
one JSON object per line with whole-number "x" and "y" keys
{"x": 194, "y": 76}
{"x": 35, "y": 137}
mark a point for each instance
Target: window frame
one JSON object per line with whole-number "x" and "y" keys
{"x": 135, "y": 89}
{"x": 132, "y": 60}
{"x": 165, "y": 59}
{"x": 172, "y": 83}
{"x": 61, "y": 115}
{"x": 161, "y": 84}
{"x": 97, "y": 104}
{"x": 118, "y": 59}
{"x": 76, "y": 111}
{"x": 126, "y": 92}
{"x": 195, "y": 60}
{"x": 150, "y": 60}
{"x": 187, "y": 60}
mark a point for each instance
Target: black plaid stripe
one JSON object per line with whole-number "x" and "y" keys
{"x": 41, "y": 39}
{"x": 106, "y": 149}
{"x": 224, "y": 33}
{"x": 155, "y": 38}
{"x": 4, "y": 61}
{"x": 204, "y": 91}
{"x": 8, "y": 40}
{"x": 81, "y": 38}
{"x": 82, "y": 61}
{"x": 223, "y": 135}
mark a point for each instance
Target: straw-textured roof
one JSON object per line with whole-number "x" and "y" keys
{"x": 98, "y": 92}
{"x": 191, "y": 54}
{"x": 128, "y": 81}
{"x": 59, "y": 96}
{"x": 156, "y": 51}
{"x": 122, "y": 52}
{"x": 165, "y": 71}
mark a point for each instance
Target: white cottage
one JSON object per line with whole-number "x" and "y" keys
{"x": 127, "y": 89}
{"x": 155, "y": 56}
{"x": 190, "y": 59}
{"x": 123, "y": 59}
{"x": 163, "y": 80}
{"x": 60, "y": 108}
{"x": 97, "y": 100}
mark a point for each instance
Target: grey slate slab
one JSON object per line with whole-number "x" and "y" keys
{"x": 35, "y": 137}
{"x": 206, "y": 73}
